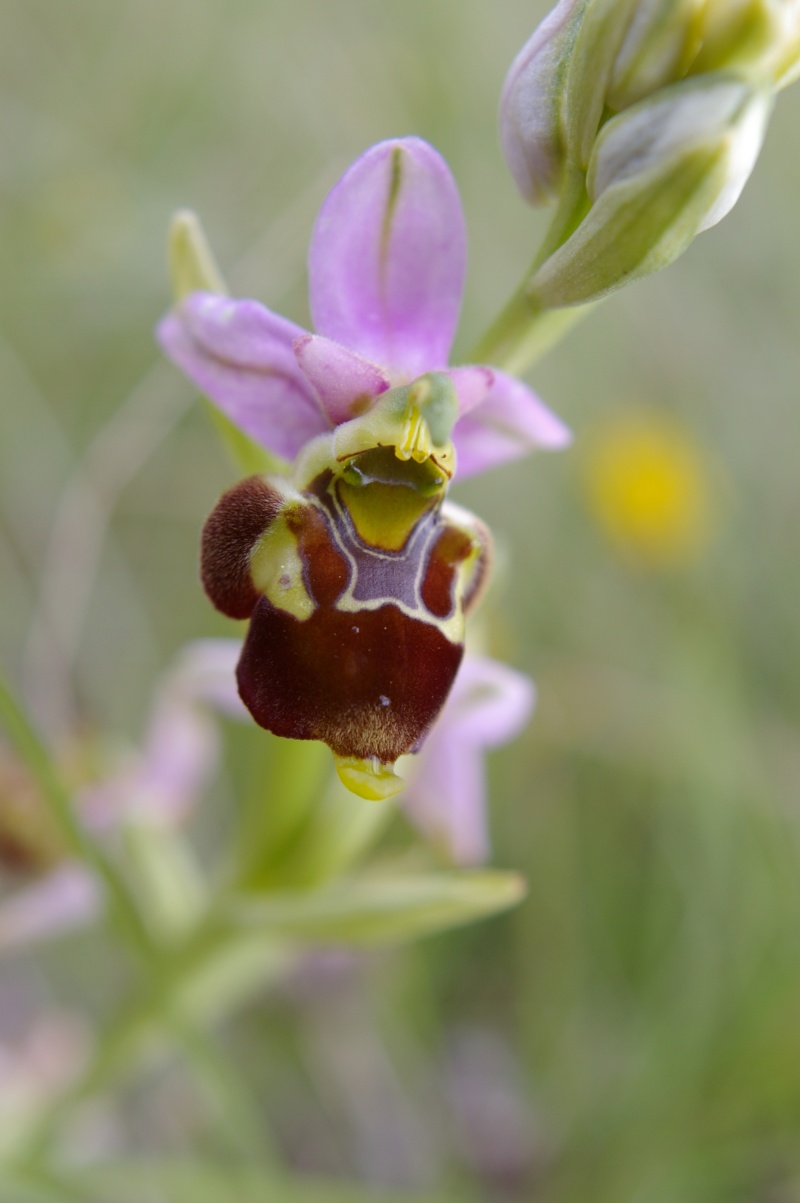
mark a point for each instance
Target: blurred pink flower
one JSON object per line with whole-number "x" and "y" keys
{"x": 159, "y": 784}
{"x": 42, "y": 1063}
{"x": 181, "y": 746}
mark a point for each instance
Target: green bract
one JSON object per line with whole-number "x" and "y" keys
{"x": 660, "y": 43}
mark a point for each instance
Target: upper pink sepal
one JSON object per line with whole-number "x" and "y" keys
{"x": 388, "y": 258}
{"x": 509, "y": 421}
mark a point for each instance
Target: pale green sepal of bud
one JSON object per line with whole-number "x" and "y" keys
{"x": 532, "y": 102}
{"x": 597, "y": 44}
{"x": 662, "y": 171}
{"x": 192, "y": 266}
{"x": 760, "y": 36}
{"x": 660, "y": 44}
{"x": 787, "y": 65}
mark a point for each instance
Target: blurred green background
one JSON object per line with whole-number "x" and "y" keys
{"x": 631, "y": 1033}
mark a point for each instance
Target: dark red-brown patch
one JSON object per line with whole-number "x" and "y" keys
{"x": 320, "y": 485}
{"x": 326, "y": 571}
{"x": 231, "y": 532}
{"x": 451, "y": 548}
{"x": 368, "y": 684}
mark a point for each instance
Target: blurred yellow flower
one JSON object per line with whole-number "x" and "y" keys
{"x": 648, "y": 488}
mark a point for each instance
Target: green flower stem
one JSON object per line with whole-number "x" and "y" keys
{"x": 235, "y": 1112}
{"x": 285, "y": 784}
{"x": 165, "y": 876}
{"x": 522, "y": 333}
{"x": 79, "y": 843}
{"x": 524, "y": 330}
{"x": 118, "y": 1046}
{"x": 574, "y": 203}
{"x": 170, "y": 1003}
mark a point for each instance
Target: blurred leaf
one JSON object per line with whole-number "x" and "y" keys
{"x": 14, "y": 1189}
{"x": 284, "y": 781}
{"x": 168, "y": 879}
{"x": 235, "y": 970}
{"x": 199, "y": 1182}
{"x": 300, "y": 826}
{"x": 377, "y": 910}
{"x": 336, "y": 831}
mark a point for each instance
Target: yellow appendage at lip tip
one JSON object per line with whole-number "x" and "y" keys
{"x": 368, "y": 778}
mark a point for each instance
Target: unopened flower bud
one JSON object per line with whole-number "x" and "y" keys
{"x": 661, "y": 172}
{"x": 592, "y": 58}
{"x": 555, "y": 93}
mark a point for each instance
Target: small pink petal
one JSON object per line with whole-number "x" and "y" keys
{"x": 472, "y": 385}
{"x": 509, "y": 422}
{"x": 488, "y": 706}
{"x": 447, "y": 801}
{"x": 240, "y": 355}
{"x": 345, "y": 382}
{"x": 388, "y": 257}
{"x": 490, "y": 702}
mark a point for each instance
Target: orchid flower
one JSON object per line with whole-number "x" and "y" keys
{"x": 355, "y": 571}
{"x": 387, "y": 265}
